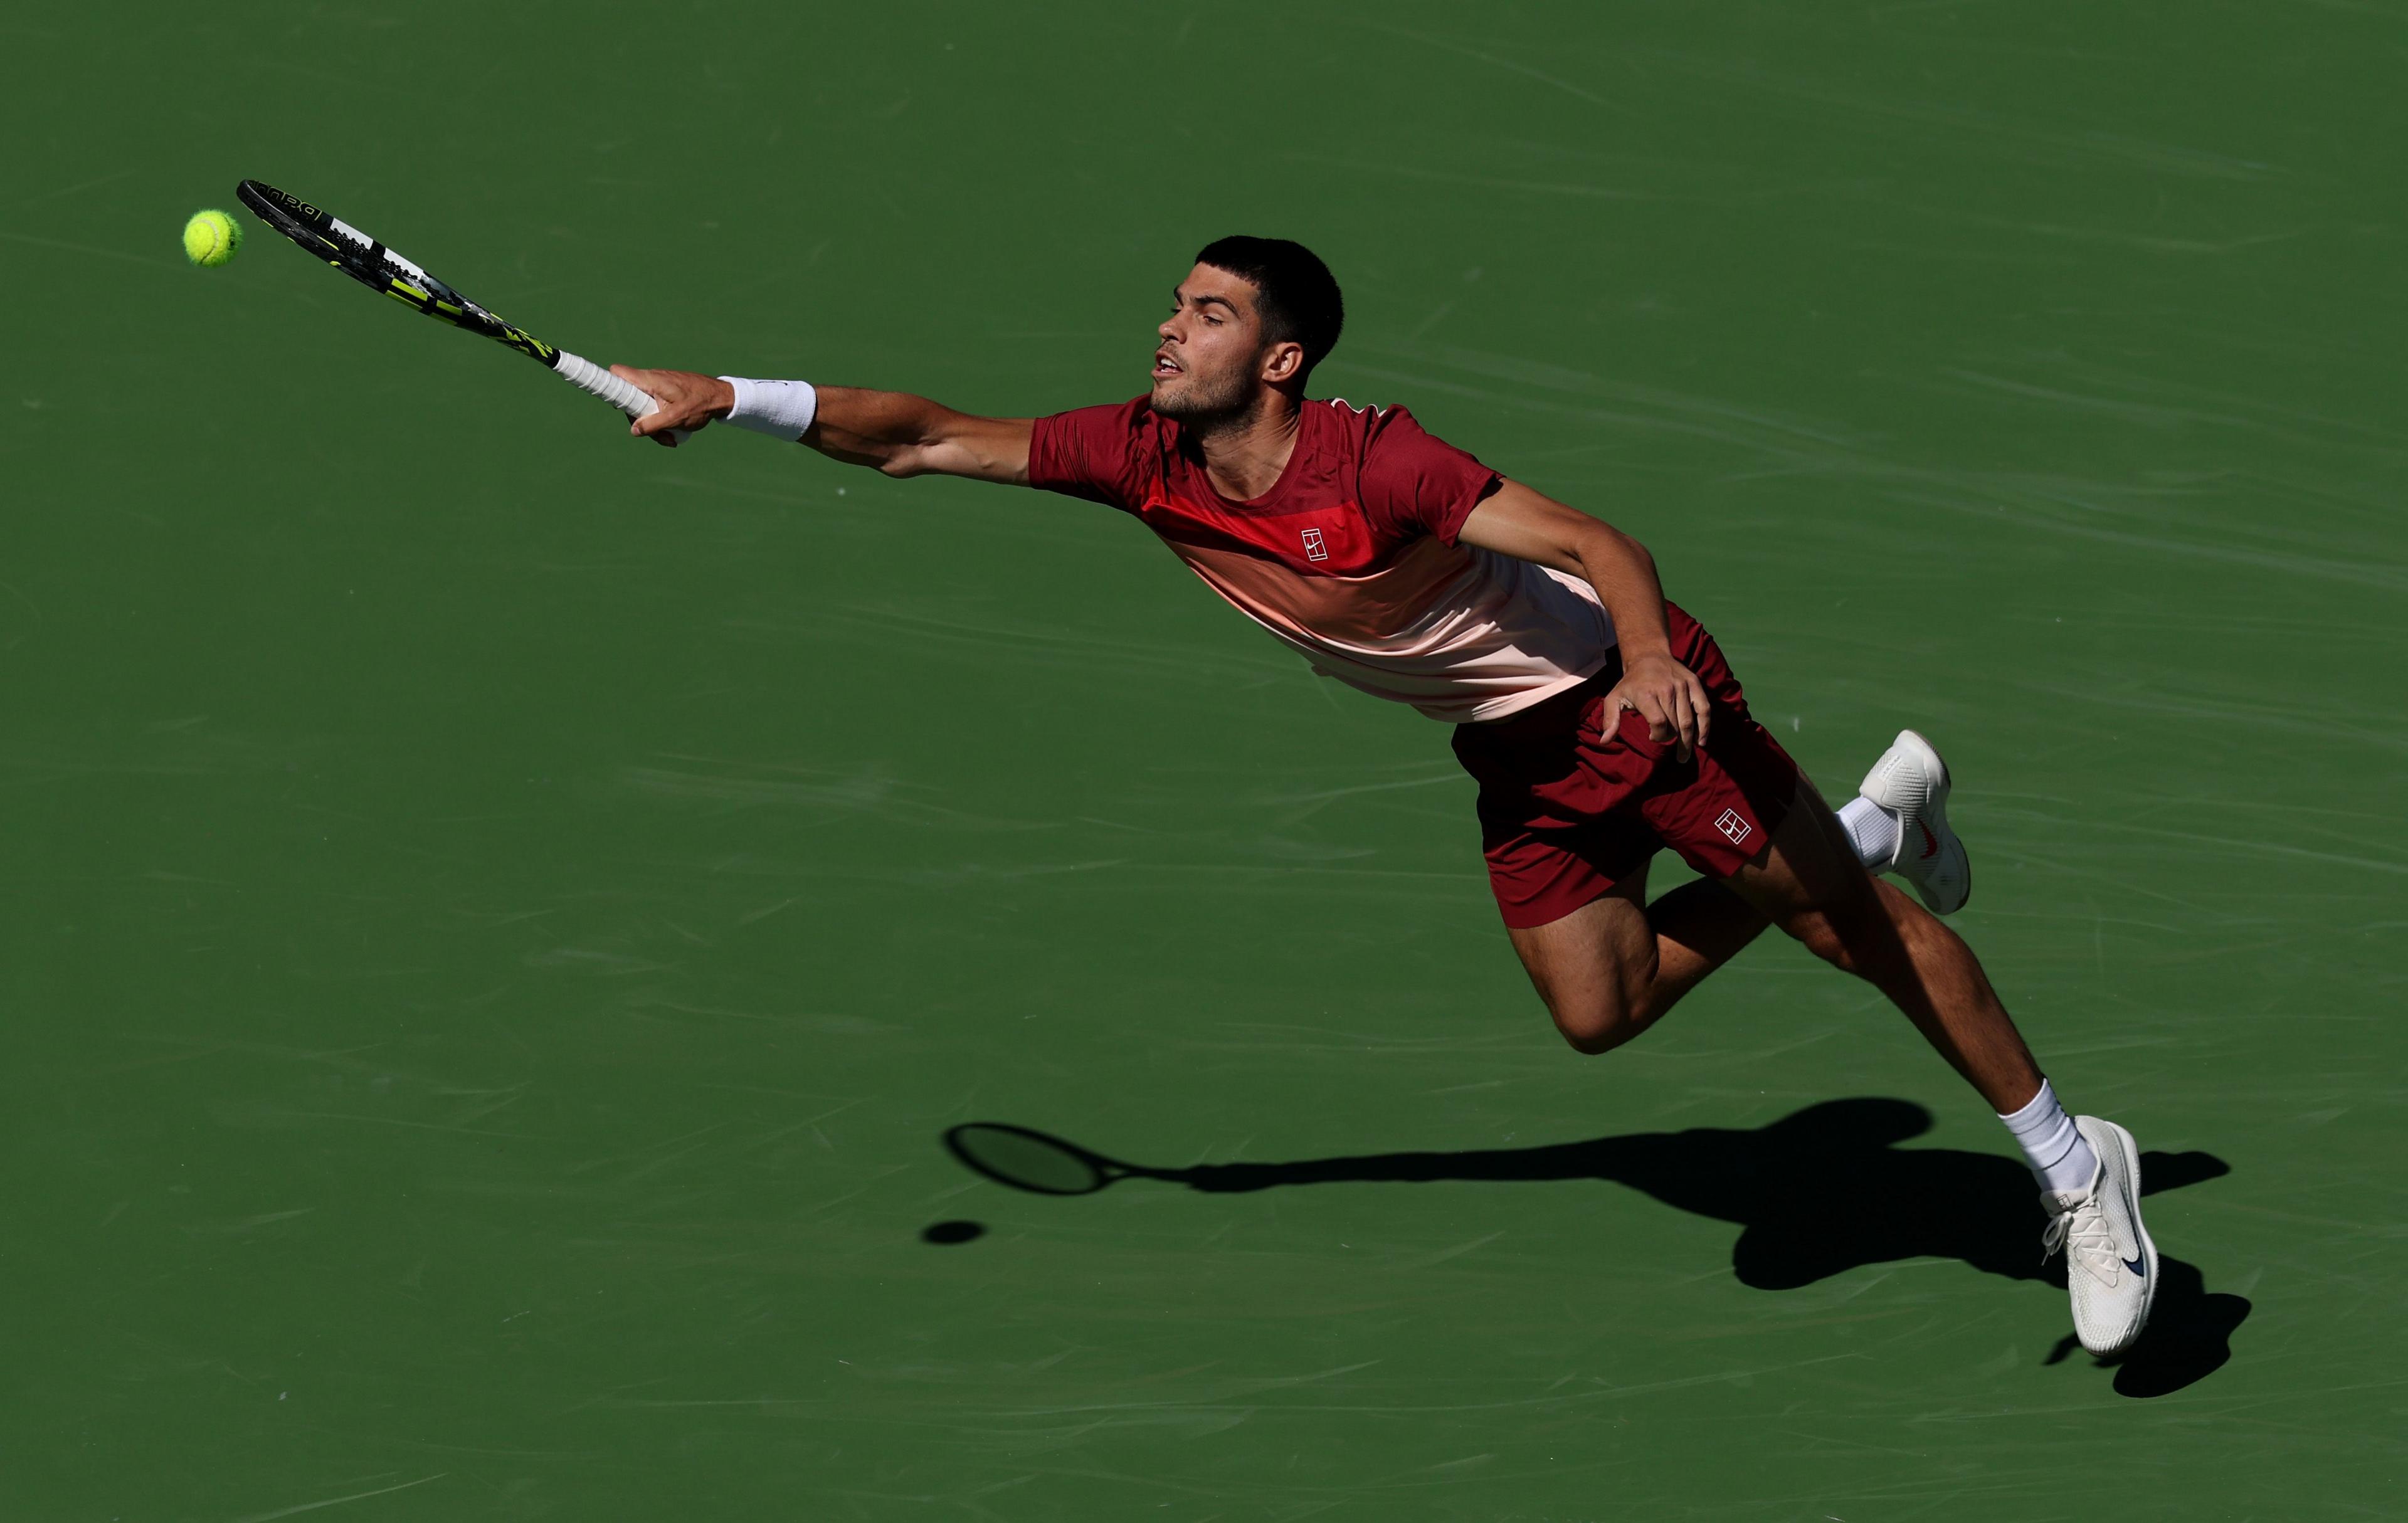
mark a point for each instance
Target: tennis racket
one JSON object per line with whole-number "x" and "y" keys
{"x": 381, "y": 269}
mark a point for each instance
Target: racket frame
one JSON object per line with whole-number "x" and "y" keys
{"x": 383, "y": 269}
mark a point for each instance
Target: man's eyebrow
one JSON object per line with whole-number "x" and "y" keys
{"x": 1177, "y": 295}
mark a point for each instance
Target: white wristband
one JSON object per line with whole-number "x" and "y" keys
{"x": 782, "y": 409}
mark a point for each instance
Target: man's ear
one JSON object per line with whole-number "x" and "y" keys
{"x": 1283, "y": 363}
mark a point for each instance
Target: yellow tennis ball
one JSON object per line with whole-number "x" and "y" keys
{"x": 212, "y": 238}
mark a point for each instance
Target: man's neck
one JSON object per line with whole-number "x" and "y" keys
{"x": 1245, "y": 452}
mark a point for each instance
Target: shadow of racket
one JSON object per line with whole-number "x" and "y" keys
{"x": 1022, "y": 1158}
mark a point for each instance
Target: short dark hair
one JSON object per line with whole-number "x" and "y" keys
{"x": 1299, "y": 301}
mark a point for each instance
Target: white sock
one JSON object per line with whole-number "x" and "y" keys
{"x": 1873, "y": 828}
{"x": 2060, "y": 1160}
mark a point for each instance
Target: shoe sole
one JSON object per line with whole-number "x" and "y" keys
{"x": 2131, "y": 1176}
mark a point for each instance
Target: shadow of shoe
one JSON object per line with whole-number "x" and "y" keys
{"x": 2189, "y": 1338}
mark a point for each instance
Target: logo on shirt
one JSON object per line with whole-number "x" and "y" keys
{"x": 1732, "y": 825}
{"x": 1314, "y": 549}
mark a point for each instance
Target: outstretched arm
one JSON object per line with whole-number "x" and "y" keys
{"x": 894, "y": 432}
{"x": 1529, "y": 525}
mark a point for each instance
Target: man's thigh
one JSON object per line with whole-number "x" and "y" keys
{"x": 1591, "y": 964}
{"x": 1809, "y": 877}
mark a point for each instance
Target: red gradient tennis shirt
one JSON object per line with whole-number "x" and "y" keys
{"x": 1352, "y": 557}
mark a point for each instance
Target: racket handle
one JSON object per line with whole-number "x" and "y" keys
{"x": 593, "y": 380}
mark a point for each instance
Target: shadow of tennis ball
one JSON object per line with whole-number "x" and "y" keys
{"x": 951, "y": 1232}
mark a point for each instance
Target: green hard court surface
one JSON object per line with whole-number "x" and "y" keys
{"x": 500, "y": 919}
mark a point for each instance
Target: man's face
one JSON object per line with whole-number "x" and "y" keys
{"x": 1211, "y": 358}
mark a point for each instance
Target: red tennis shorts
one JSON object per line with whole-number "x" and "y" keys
{"x": 1566, "y": 812}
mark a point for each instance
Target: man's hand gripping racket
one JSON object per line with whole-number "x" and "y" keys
{"x": 687, "y": 401}
{"x": 381, "y": 269}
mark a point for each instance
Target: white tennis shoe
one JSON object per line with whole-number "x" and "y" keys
{"x": 2110, "y": 1266}
{"x": 1911, "y": 782}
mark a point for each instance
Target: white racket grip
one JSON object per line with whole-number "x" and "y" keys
{"x": 593, "y": 380}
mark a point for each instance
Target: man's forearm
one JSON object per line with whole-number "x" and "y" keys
{"x": 1624, "y": 574}
{"x": 888, "y": 431}
{"x": 894, "y": 432}
{"x": 1528, "y": 524}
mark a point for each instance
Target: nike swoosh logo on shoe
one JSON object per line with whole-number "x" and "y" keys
{"x": 1930, "y": 842}
{"x": 2140, "y": 1270}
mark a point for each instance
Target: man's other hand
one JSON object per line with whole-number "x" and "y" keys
{"x": 1668, "y": 696}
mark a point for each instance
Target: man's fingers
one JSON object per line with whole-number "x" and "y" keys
{"x": 1617, "y": 704}
{"x": 665, "y": 387}
{"x": 1671, "y": 699}
{"x": 1662, "y": 724}
{"x": 1608, "y": 719}
{"x": 1684, "y": 721}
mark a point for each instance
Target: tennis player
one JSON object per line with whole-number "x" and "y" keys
{"x": 1601, "y": 722}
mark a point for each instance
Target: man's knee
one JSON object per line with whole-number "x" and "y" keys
{"x": 1600, "y": 1016}
{"x": 1593, "y": 1026}
{"x": 1816, "y": 934}
{"x": 1594, "y": 969}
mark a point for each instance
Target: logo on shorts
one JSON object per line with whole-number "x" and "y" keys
{"x": 1314, "y": 550}
{"x": 1732, "y": 825}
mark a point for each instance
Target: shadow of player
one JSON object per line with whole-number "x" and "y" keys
{"x": 1815, "y": 1194}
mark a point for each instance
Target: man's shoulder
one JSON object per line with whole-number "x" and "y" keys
{"x": 1135, "y": 415}
{"x": 1366, "y": 424}
{"x": 1360, "y": 416}
{"x": 1408, "y": 480}
{"x": 1101, "y": 451}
